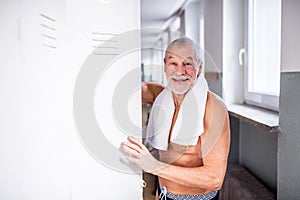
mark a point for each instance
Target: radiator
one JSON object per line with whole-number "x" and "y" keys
{"x": 239, "y": 184}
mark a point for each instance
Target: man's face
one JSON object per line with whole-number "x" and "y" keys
{"x": 180, "y": 68}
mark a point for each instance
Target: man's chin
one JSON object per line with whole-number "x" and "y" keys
{"x": 180, "y": 90}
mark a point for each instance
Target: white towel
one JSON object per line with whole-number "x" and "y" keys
{"x": 189, "y": 124}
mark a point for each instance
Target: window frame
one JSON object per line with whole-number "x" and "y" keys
{"x": 267, "y": 101}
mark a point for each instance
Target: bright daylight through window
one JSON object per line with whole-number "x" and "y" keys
{"x": 263, "y": 49}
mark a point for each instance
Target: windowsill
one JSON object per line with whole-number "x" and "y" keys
{"x": 266, "y": 119}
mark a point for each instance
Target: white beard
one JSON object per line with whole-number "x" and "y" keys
{"x": 179, "y": 88}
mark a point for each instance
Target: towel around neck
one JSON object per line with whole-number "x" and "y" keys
{"x": 190, "y": 121}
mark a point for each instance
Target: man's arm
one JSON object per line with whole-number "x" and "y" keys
{"x": 150, "y": 91}
{"x": 210, "y": 176}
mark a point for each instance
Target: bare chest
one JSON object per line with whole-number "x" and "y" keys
{"x": 187, "y": 156}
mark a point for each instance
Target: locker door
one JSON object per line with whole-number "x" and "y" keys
{"x": 46, "y": 46}
{"x": 104, "y": 51}
{"x": 33, "y": 143}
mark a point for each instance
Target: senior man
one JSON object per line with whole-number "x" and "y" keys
{"x": 188, "y": 124}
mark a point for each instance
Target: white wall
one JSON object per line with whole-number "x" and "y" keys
{"x": 290, "y": 40}
{"x": 41, "y": 153}
{"x": 157, "y": 62}
{"x": 233, "y": 41}
{"x": 213, "y": 35}
{"x": 192, "y": 15}
{"x": 195, "y": 28}
{"x": 288, "y": 141}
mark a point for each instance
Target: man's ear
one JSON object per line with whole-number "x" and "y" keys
{"x": 200, "y": 69}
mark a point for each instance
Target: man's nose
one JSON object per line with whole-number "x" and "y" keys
{"x": 180, "y": 69}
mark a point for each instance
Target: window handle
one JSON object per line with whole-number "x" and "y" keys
{"x": 241, "y": 53}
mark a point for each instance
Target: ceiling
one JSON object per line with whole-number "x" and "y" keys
{"x": 157, "y": 14}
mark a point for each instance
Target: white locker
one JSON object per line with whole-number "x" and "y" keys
{"x": 45, "y": 46}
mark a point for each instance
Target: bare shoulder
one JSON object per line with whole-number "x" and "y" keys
{"x": 218, "y": 112}
{"x": 216, "y": 100}
{"x": 216, "y": 140}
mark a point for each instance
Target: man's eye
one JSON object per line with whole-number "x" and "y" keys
{"x": 187, "y": 64}
{"x": 173, "y": 63}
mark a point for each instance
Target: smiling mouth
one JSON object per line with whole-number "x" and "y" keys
{"x": 180, "y": 80}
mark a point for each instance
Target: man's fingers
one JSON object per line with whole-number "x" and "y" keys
{"x": 128, "y": 151}
{"x": 131, "y": 146}
{"x": 136, "y": 142}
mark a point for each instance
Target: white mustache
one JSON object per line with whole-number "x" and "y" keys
{"x": 180, "y": 78}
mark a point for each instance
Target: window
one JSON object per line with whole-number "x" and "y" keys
{"x": 263, "y": 44}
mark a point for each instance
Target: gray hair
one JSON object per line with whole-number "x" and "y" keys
{"x": 183, "y": 41}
